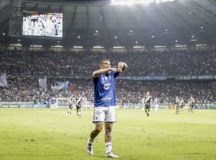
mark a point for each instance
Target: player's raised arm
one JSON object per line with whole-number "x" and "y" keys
{"x": 105, "y": 67}
{"x": 99, "y": 72}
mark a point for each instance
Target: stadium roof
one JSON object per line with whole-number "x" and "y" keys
{"x": 95, "y": 22}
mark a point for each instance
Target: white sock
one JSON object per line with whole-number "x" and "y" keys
{"x": 108, "y": 146}
{"x": 90, "y": 140}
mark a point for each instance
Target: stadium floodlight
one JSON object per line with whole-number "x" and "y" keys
{"x": 57, "y": 46}
{"x": 201, "y": 45}
{"x": 180, "y": 46}
{"x": 98, "y": 47}
{"x": 132, "y": 2}
{"x": 160, "y": 46}
{"x": 118, "y": 47}
{"x": 138, "y": 47}
{"x": 78, "y": 47}
{"x": 36, "y": 46}
{"x": 15, "y": 44}
{"x": 161, "y": 1}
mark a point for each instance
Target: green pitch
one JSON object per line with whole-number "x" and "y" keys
{"x": 45, "y": 134}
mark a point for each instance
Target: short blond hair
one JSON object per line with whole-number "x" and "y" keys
{"x": 103, "y": 60}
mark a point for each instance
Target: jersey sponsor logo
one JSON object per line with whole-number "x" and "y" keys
{"x": 106, "y": 82}
{"x": 106, "y": 99}
{"x": 106, "y": 86}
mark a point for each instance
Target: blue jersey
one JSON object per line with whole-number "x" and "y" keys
{"x": 104, "y": 90}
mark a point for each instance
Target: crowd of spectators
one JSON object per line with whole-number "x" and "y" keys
{"x": 72, "y": 65}
{"x": 166, "y": 91}
{"x": 128, "y": 91}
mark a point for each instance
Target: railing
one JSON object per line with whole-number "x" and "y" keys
{"x": 89, "y": 104}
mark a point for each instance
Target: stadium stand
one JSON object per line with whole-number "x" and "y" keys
{"x": 24, "y": 67}
{"x": 67, "y": 64}
{"x": 176, "y": 54}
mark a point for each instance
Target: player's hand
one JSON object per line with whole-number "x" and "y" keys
{"x": 122, "y": 66}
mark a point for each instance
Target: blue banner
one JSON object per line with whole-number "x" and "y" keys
{"x": 43, "y": 83}
{"x": 3, "y": 80}
{"x": 63, "y": 86}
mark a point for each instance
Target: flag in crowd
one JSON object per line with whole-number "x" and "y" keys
{"x": 63, "y": 86}
{"x": 43, "y": 83}
{"x": 3, "y": 80}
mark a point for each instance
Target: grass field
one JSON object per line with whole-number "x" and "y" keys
{"x": 45, "y": 134}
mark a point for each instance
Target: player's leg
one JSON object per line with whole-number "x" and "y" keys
{"x": 79, "y": 111}
{"x": 96, "y": 131}
{"x": 181, "y": 108}
{"x": 109, "y": 119}
{"x": 147, "y": 109}
{"x": 93, "y": 134}
{"x": 69, "y": 109}
{"x": 108, "y": 137}
{"x": 108, "y": 140}
{"x": 177, "y": 109}
{"x": 98, "y": 119}
{"x": 190, "y": 108}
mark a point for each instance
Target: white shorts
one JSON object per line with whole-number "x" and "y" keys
{"x": 104, "y": 114}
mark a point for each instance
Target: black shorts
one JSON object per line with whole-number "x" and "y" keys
{"x": 70, "y": 106}
{"x": 192, "y": 106}
{"x": 178, "y": 106}
{"x": 78, "y": 106}
{"x": 147, "y": 106}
